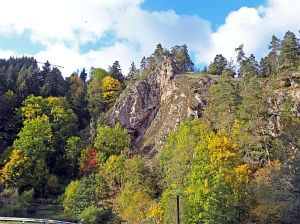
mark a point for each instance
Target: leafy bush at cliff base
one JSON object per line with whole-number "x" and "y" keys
{"x": 81, "y": 194}
{"x": 94, "y": 215}
{"x": 106, "y": 143}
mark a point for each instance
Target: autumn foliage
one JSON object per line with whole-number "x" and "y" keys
{"x": 88, "y": 162}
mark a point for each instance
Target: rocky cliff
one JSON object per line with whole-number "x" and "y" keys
{"x": 153, "y": 106}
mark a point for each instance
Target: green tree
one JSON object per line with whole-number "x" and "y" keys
{"x": 96, "y": 103}
{"x": 160, "y": 54}
{"x": 24, "y": 172}
{"x": 135, "y": 198}
{"x": 175, "y": 162}
{"x": 133, "y": 72}
{"x": 216, "y": 187}
{"x": 181, "y": 58}
{"x": 73, "y": 148}
{"x": 269, "y": 64}
{"x": 143, "y": 64}
{"x": 113, "y": 172}
{"x": 253, "y": 114}
{"x": 223, "y": 103}
{"x": 63, "y": 124}
{"x": 35, "y": 137}
{"x": 106, "y": 142}
{"x": 9, "y": 119}
{"x": 83, "y": 75}
{"x": 205, "y": 170}
{"x": 54, "y": 84}
{"x": 77, "y": 98}
{"x": 218, "y": 65}
{"x": 94, "y": 215}
{"x": 289, "y": 51}
{"x": 134, "y": 204}
{"x": 247, "y": 66}
{"x": 116, "y": 72}
{"x": 81, "y": 194}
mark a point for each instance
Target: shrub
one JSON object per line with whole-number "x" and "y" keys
{"x": 94, "y": 215}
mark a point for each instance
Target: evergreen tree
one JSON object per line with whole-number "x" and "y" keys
{"x": 253, "y": 115}
{"x": 247, "y": 66}
{"x": 77, "y": 98}
{"x": 133, "y": 72}
{"x": 46, "y": 69}
{"x": 218, "y": 65}
{"x": 116, "y": 72}
{"x": 143, "y": 63}
{"x": 223, "y": 103}
{"x": 9, "y": 119}
{"x": 269, "y": 64}
{"x": 160, "y": 54}
{"x": 83, "y": 75}
{"x": 54, "y": 84}
{"x": 290, "y": 51}
{"x": 204, "y": 70}
{"x": 182, "y": 60}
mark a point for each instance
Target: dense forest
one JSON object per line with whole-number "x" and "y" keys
{"x": 238, "y": 163}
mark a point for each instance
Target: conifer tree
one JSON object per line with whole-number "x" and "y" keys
{"x": 218, "y": 65}
{"x": 116, "y": 72}
{"x": 290, "y": 51}
{"x": 133, "y": 72}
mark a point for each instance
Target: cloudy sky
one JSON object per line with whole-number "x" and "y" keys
{"x": 84, "y": 33}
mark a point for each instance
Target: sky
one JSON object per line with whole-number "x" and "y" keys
{"x": 86, "y": 33}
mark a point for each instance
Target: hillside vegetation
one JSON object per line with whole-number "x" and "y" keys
{"x": 111, "y": 148}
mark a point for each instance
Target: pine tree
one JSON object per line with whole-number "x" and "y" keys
{"x": 253, "y": 115}
{"x": 46, "y": 69}
{"x": 54, "y": 84}
{"x": 223, "y": 103}
{"x": 247, "y": 66}
{"x": 143, "y": 63}
{"x": 83, "y": 75}
{"x": 160, "y": 54}
{"x": 218, "y": 65}
{"x": 290, "y": 51}
{"x": 182, "y": 60}
{"x": 269, "y": 64}
{"x": 133, "y": 72}
{"x": 116, "y": 72}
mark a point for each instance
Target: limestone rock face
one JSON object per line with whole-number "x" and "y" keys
{"x": 275, "y": 103}
{"x": 153, "y": 107}
{"x": 137, "y": 107}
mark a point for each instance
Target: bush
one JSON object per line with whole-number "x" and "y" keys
{"x": 27, "y": 196}
{"x": 9, "y": 195}
{"x": 93, "y": 215}
{"x": 52, "y": 184}
{"x": 82, "y": 194}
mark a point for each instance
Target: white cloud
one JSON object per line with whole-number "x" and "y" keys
{"x": 63, "y": 26}
{"x": 7, "y": 54}
{"x": 253, "y": 27}
{"x": 57, "y": 22}
{"x": 60, "y": 55}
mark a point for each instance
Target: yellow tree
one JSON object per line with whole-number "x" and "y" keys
{"x": 216, "y": 189}
{"x": 22, "y": 170}
{"x": 111, "y": 89}
{"x": 206, "y": 171}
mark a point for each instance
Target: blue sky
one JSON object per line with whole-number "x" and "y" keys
{"x": 214, "y": 11}
{"x": 77, "y": 34}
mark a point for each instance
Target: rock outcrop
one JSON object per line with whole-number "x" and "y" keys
{"x": 154, "y": 105}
